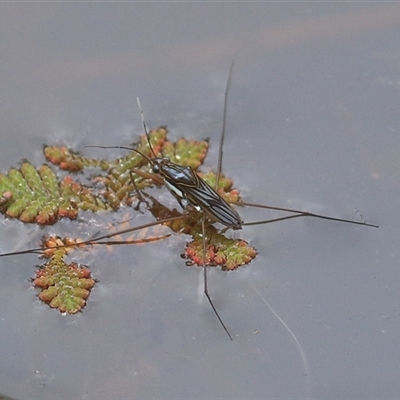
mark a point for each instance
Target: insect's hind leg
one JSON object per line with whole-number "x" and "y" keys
{"x": 203, "y": 232}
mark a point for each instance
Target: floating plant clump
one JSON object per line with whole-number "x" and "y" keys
{"x": 36, "y": 195}
{"x": 128, "y": 174}
{"x": 40, "y": 195}
{"x": 64, "y": 286}
{"x": 188, "y": 153}
{"x": 228, "y": 253}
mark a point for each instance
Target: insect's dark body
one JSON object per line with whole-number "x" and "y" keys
{"x": 191, "y": 190}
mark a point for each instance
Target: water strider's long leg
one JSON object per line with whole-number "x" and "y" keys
{"x": 203, "y": 230}
{"x": 219, "y": 170}
{"x": 298, "y": 213}
{"x": 98, "y": 240}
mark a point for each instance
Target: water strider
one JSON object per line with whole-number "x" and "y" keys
{"x": 191, "y": 191}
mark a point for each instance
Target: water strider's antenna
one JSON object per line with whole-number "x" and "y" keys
{"x": 221, "y": 141}
{"x": 144, "y": 126}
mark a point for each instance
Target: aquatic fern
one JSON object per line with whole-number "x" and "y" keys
{"x": 227, "y": 253}
{"x": 35, "y": 195}
{"x": 64, "y": 286}
{"x": 221, "y": 251}
{"x": 188, "y": 153}
{"x": 39, "y": 195}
